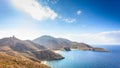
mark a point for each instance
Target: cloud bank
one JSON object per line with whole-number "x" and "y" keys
{"x": 108, "y": 37}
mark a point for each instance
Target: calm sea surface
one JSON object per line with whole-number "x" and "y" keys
{"x": 89, "y": 59}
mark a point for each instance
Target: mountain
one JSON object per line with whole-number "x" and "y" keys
{"x": 26, "y": 48}
{"x": 51, "y": 42}
{"x": 8, "y": 61}
{"x": 14, "y": 44}
{"x": 58, "y": 43}
{"x": 61, "y": 43}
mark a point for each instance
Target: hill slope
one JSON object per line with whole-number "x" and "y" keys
{"x": 7, "y": 61}
{"x": 12, "y": 43}
{"x": 26, "y": 48}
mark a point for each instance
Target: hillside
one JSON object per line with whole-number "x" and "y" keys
{"x": 7, "y": 61}
{"x": 12, "y": 43}
{"x": 47, "y": 54}
{"x": 26, "y": 48}
{"x": 51, "y": 42}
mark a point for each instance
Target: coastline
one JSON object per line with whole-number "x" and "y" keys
{"x": 57, "y": 51}
{"x": 44, "y": 62}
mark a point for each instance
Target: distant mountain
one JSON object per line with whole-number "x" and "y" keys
{"x": 61, "y": 43}
{"x": 51, "y": 42}
{"x": 26, "y": 48}
{"x": 58, "y": 43}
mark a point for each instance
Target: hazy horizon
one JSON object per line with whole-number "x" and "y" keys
{"x": 89, "y": 21}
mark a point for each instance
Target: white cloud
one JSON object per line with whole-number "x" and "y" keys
{"x": 53, "y": 1}
{"x": 35, "y": 9}
{"x": 69, "y": 20}
{"x": 109, "y": 37}
{"x": 79, "y": 12}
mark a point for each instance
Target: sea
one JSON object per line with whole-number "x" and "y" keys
{"x": 89, "y": 59}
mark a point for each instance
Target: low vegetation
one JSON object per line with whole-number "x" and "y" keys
{"x": 7, "y": 61}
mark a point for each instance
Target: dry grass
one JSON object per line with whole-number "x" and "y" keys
{"x": 7, "y": 61}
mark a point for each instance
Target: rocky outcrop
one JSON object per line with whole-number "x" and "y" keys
{"x": 67, "y": 49}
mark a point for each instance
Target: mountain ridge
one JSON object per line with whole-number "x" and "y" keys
{"x": 57, "y": 43}
{"x": 62, "y": 43}
{"x": 52, "y": 42}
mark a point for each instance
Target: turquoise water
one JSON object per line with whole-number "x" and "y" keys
{"x": 89, "y": 59}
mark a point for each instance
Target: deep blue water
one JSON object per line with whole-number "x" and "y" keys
{"x": 89, "y": 59}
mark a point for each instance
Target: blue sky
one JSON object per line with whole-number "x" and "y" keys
{"x": 90, "y": 21}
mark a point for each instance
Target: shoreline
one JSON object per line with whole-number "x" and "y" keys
{"x": 57, "y": 51}
{"x": 44, "y": 62}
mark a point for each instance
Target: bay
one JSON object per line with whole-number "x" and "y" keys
{"x": 89, "y": 59}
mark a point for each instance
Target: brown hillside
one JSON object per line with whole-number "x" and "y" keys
{"x": 7, "y": 61}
